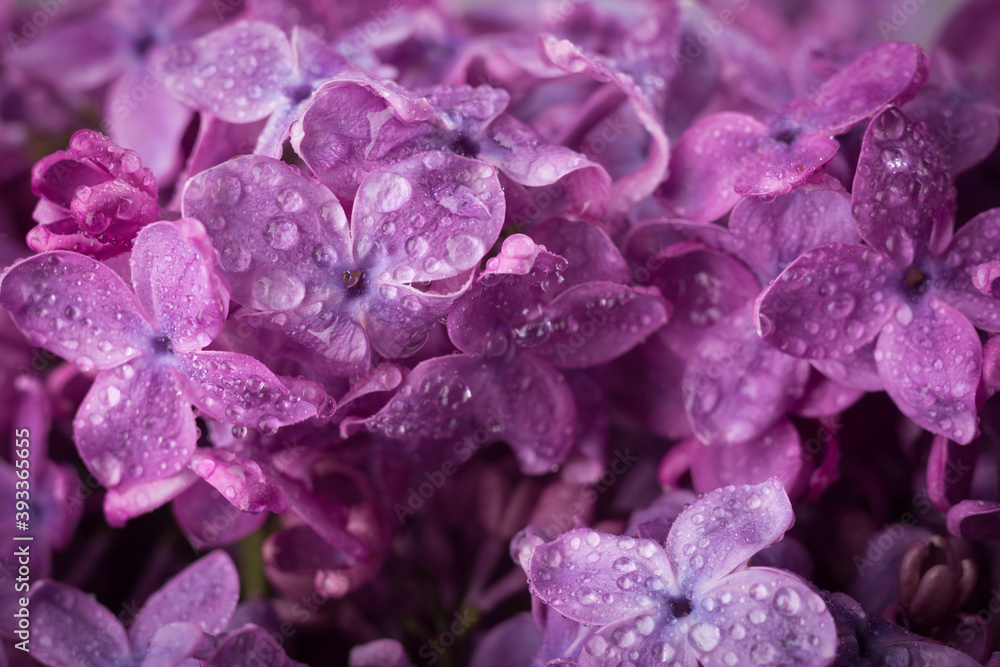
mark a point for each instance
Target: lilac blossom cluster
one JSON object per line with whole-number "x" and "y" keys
{"x": 416, "y": 332}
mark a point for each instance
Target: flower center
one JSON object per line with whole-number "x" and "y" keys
{"x": 679, "y": 607}
{"x": 916, "y": 282}
{"x": 354, "y": 283}
{"x": 163, "y": 345}
{"x": 464, "y": 147}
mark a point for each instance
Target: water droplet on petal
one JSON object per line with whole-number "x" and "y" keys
{"x": 705, "y": 636}
{"x": 387, "y": 191}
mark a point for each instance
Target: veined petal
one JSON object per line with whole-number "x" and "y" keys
{"x": 237, "y": 389}
{"x": 931, "y": 362}
{"x": 762, "y": 615}
{"x": 176, "y": 284}
{"x": 829, "y": 302}
{"x": 453, "y": 206}
{"x": 723, "y": 529}
{"x": 736, "y": 385}
{"x": 594, "y": 322}
{"x": 135, "y": 424}
{"x": 596, "y": 578}
{"x": 204, "y": 593}
{"x": 903, "y": 198}
{"x": 237, "y": 73}
{"x": 890, "y": 73}
{"x": 72, "y": 629}
{"x": 96, "y": 324}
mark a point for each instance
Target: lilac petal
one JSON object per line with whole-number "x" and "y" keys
{"x": 737, "y": 521}
{"x": 647, "y": 637}
{"x": 379, "y": 653}
{"x": 453, "y": 205}
{"x": 985, "y": 276}
{"x": 890, "y": 73}
{"x": 587, "y": 249}
{"x": 514, "y": 641}
{"x": 72, "y": 629}
{"x": 535, "y": 409}
{"x": 777, "y": 167}
{"x": 129, "y": 501}
{"x": 521, "y": 153}
{"x": 280, "y": 245}
{"x": 97, "y": 325}
{"x": 633, "y": 569}
{"x": 975, "y": 520}
{"x": 829, "y": 302}
{"x": 824, "y": 397}
{"x": 774, "y": 617}
{"x": 903, "y": 197}
{"x": 176, "y": 285}
{"x": 857, "y": 370}
{"x": 775, "y": 233}
{"x": 217, "y": 142}
{"x": 966, "y": 131}
{"x": 209, "y": 520}
{"x": 172, "y": 644}
{"x": 705, "y": 163}
{"x": 354, "y": 125}
{"x": 250, "y": 645}
{"x": 931, "y": 363}
{"x": 594, "y": 322}
{"x": 204, "y": 593}
{"x": 237, "y": 73}
{"x": 397, "y": 327}
{"x": 498, "y": 306}
{"x": 76, "y": 55}
{"x": 977, "y": 241}
{"x": 776, "y": 452}
{"x": 949, "y": 471}
{"x": 327, "y": 517}
{"x": 301, "y": 550}
{"x": 151, "y": 123}
{"x": 237, "y": 389}
{"x": 132, "y": 420}
{"x": 735, "y": 385}
{"x": 638, "y": 184}
{"x": 239, "y": 479}
{"x": 415, "y": 415}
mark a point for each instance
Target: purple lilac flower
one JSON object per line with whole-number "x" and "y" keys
{"x": 348, "y": 289}
{"x": 911, "y": 286}
{"x": 121, "y": 43}
{"x": 175, "y": 624}
{"x": 691, "y": 599}
{"x": 250, "y": 71}
{"x": 728, "y": 155}
{"x": 135, "y": 424}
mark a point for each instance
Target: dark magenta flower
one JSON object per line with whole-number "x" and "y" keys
{"x": 136, "y": 424}
{"x": 691, "y": 600}
{"x": 727, "y": 155}
{"x": 518, "y": 324}
{"x": 910, "y": 290}
{"x": 95, "y": 198}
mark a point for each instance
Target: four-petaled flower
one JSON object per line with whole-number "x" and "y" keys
{"x": 692, "y": 600}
